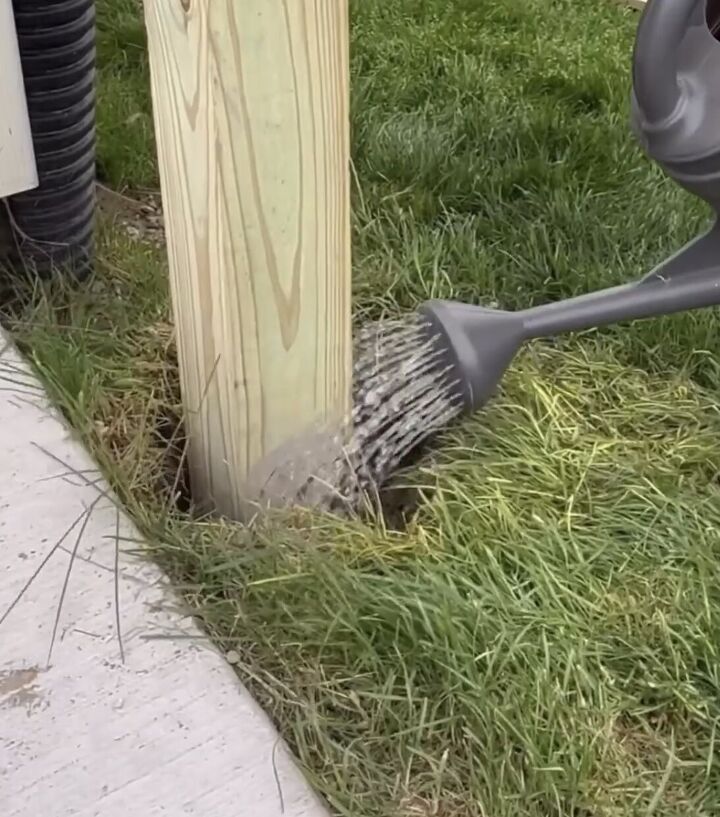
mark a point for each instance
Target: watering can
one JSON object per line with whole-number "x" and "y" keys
{"x": 675, "y": 115}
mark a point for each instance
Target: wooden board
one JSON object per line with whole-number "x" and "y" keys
{"x": 252, "y": 123}
{"x": 17, "y": 159}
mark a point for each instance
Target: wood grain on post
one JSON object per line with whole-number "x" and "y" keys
{"x": 251, "y": 117}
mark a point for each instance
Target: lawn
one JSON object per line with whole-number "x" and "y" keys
{"x": 541, "y": 638}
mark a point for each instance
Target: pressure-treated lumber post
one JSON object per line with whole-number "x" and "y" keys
{"x": 251, "y": 117}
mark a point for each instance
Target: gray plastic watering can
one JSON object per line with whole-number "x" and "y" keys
{"x": 675, "y": 114}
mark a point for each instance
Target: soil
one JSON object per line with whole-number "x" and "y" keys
{"x": 140, "y": 215}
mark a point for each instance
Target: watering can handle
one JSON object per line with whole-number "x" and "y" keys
{"x": 662, "y": 28}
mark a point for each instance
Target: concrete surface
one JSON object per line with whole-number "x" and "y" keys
{"x": 163, "y": 729}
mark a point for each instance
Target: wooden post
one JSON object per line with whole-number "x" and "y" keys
{"x": 251, "y": 117}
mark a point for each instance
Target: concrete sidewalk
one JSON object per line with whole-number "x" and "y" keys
{"x": 160, "y": 726}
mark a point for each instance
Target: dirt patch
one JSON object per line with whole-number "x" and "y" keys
{"x": 139, "y": 215}
{"x": 174, "y": 479}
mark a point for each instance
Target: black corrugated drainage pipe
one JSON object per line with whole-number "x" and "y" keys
{"x": 53, "y": 224}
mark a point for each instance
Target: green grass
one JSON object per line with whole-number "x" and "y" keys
{"x": 542, "y": 640}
